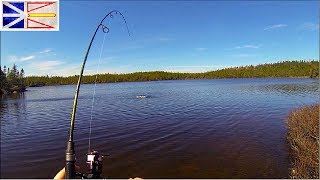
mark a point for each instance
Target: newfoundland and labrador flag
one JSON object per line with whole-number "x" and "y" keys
{"x": 29, "y": 15}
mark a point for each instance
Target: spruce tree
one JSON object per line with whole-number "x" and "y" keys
{"x": 22, "y": 82}
{"x": 5, "y": 70}
{"x": 13, "y": 78}
{"x": 3, "y": 82}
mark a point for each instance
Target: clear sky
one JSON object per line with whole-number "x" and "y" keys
{"x": 189, "y": 36}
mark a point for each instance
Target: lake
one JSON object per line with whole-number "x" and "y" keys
{"x": 221, "y": 128}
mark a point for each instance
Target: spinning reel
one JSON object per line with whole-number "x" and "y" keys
{"x": 94, "y": 164}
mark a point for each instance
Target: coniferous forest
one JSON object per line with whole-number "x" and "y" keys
{"x": 14, "y": 81}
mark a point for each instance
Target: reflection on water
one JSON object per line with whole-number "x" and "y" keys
{"x": 288, "y": 89}
{"x": 15, "y": 106}
{"x": 223, "y": 128}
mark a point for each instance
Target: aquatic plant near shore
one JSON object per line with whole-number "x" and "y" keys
{"x": 303, "y": 137}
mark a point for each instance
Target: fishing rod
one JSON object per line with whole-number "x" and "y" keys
{"x": 94, "y": 158}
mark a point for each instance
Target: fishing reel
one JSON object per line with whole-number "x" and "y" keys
{"x": 94, "y": 164}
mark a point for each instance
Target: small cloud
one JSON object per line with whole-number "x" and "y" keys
{"x": 165, "y": 39}
{"x": 27, "y": 58}
{"x": 155, "y": 39}
{"x": 243, "y": 55}
{"x": 52, "y": 68}
{"x": 160, "y": 39}
{"x": 276, "y": 26}
{"x": 249, "y": 46}
{"x": 21, "y": 59}
{"x": 309, "y": 26}
{"x": 45, "y": 51}
{"x": 47, "y": 65}
{"x": 201, "y": 49}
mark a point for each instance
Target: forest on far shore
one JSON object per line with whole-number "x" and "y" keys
{"x": 284, "y": 69}
{"x": 14, "y": 81}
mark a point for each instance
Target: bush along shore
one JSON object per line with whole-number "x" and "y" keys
{"x": 303, "y": 138}
{"x": 12, "y": 80}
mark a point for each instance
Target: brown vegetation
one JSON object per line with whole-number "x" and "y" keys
{"x": 303, "y": 137}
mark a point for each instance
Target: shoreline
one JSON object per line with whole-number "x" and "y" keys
{"x": 305, "y": 77}
{"x": 284, "y": 69}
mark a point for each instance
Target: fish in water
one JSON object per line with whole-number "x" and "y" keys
{"x": 141, "y": 96}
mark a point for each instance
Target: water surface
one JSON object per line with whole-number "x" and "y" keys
{"x": 223, "y": 128}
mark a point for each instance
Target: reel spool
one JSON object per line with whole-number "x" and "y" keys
{"x": 94, "y": 163}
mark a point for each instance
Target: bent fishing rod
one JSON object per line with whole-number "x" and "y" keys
{"x": 94, "y": 158}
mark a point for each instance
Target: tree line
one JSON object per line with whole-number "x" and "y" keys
{"x": 12, "y": 80}
{"x": 271, "y": 70}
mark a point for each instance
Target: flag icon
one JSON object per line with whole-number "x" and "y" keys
{"x": 30, "y": 15}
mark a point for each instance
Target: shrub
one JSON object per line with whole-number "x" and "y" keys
{"x": 303, "y": 137}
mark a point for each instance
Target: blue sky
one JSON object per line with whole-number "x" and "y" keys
{"x": 171, "y": 36}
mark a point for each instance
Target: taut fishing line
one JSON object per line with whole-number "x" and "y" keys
{"x": 94, "y": 93}
{"x": 105, "y": 30}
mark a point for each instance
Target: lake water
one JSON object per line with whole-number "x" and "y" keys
{"x": 223, "y": 128}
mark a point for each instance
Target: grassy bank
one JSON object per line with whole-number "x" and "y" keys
{"x": 303, "y": 137}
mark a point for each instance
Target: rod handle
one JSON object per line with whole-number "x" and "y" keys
{"x": 70, "y": 170}
{"x": 70, "y": 161}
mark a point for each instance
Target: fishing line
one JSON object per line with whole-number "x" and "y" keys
{"x": 105, "y": 30}
{"x": 94, "y": 92}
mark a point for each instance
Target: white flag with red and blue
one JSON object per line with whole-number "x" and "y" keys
{"x": 30, "y": 15}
